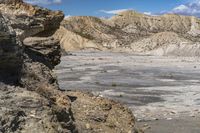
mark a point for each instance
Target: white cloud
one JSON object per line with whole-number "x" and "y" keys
{"x": 114, "y": 11}
{"x": 57, "y": 1}
{"x": 44, "y": 2}
{"x": 147, "y": 13}
{"x": 181, "y": 8}
{"x": 67, "y": 16}
{"x": 192, "y": 8}
{"x": 150, "y": 14}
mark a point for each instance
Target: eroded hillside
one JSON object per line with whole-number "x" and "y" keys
{"x": 131, "y": 31}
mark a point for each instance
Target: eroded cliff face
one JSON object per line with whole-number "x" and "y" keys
{"x": 30, "y": 98}
{"x": 133, "y": 32}
{"x": 40, "y": 54}
{"x": 28, "y": 20}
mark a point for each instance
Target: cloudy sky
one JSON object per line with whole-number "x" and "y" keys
{"x": 104, "y": 8}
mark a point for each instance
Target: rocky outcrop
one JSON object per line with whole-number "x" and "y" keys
{"x": 35, "y": 103}
{"x": 28, "y": 20}
{"x": 30, "y": 98}
{"x": 41, "y": 56}
{"x": 130, "y": 31}
{"x": 45, "y": 50}
{"x": 98, "y": 115}
{"x": 27, "y": 111}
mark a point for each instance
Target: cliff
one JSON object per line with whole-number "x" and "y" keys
{"x": 133, "y": 32}
{"x": 30, "y": 98}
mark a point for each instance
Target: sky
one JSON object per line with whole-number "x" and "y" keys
{"x": 107, "y": 8}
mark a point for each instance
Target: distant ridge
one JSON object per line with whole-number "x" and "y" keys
{"x": 129, "y": 31}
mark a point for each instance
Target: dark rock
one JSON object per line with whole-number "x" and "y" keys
{"x": 45, "y": 50}
{"x": 42, "y": 55}
{"x": 10, "y": 53}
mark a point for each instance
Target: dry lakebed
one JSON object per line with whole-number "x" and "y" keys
{"x": 163, "y": 92}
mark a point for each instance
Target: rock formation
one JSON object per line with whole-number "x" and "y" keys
{"x": 28, "y": 20}
{"x": 30, "y": 99}
{"x": 134, "y": 32}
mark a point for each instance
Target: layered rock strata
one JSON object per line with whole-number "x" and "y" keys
{"x": 132, "y": 32}
{"x": 28, "y": 20}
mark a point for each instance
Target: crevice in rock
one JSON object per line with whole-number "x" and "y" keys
{"x": 72, "y": 98}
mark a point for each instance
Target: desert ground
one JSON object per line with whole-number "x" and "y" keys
{"x": 163, "y": 92}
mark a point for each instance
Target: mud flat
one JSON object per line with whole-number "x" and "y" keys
{"x": 163, "y": 92}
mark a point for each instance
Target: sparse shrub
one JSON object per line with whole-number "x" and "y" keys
{"x": 114, "y": 84}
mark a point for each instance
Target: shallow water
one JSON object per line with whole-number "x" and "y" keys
{"x": 152, "y": 86}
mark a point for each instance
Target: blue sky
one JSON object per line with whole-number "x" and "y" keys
{"x": 103, "y": 8}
